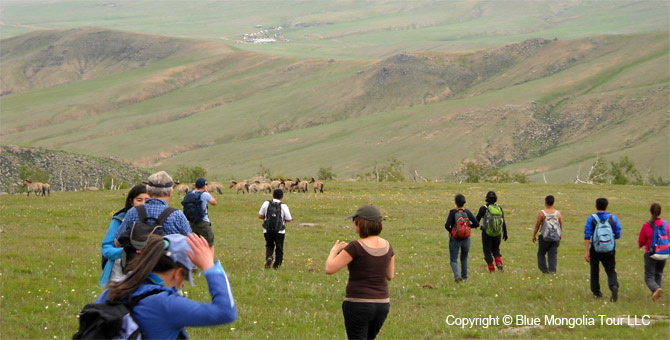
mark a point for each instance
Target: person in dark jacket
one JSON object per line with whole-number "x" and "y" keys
{"x": 459, "y": 244}
{"x": 491, "y": 244}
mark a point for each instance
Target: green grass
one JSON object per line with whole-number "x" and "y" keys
{"x": 49, "y": 260}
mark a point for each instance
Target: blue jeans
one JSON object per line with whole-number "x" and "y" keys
{"x": 454, "y": 247}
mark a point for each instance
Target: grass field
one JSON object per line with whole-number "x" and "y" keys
{"x": 50, "y": 263}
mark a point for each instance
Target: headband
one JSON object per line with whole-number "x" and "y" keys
{"x": 156, "y": 185}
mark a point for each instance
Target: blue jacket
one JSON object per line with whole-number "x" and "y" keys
{"x": 110, "y": 252}
{"x": 602, "y": 215}
{"x": 164, "y": 315}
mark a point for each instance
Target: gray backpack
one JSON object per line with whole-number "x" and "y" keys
{"x": 551, "y": 229}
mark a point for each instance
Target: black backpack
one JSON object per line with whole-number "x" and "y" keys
{"x": 273, "y": 220}
{"x": 135, "y": 238}
{"x": 192, "y": 204}
{"x": 110, "y": 320}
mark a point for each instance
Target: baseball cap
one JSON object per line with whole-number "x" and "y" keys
{"x": 200, "y": 183}
{"x": 368, "y": 212}
{"x": 176, "y": 250}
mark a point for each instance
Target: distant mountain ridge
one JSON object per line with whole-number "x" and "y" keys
{"x": 540, "y": 106}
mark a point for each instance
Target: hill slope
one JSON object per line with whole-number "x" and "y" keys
{"x": 553, "y": 105}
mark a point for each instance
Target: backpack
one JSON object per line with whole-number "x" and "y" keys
{"x": 603, "y": 235}
{"x": 461, "y": 229}
{"x": 551, "y": 229}
{"x": 273, "y": 221}
{"x": 493, "y": 220}
{"x": 135, "y": 238}
{"x": 660, "y": 242}
{"x": 110, "y": 320}
{"x": 192, "y": 204}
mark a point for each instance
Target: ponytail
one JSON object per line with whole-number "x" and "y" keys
{"x": 655, "y": 211}
{"x": 151, "y": 260}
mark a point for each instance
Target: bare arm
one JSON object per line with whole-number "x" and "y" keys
{"x": 560, "y": 221}
{"x": 540, "y": 220}
{"x": 337, "y": 258}
{"x": 587, "y": 256}
{"x": 262, "y": 217}
{"x": 212, "y": 201}
{"x": 390, "y": 272}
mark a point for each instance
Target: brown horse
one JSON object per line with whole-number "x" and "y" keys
{"x": 180, "y": 188}
{"x": 36, "y": 187}
{"x": 317, "y": 185}
{"x": 46, "y": 189}
{"x": 241, "y": 186}
{"x": 302, "y": 185}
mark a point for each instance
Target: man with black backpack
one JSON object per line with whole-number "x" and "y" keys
{"x": 274, "y": 214}
{"x": 153, "y": 217}
{"x": 600, "y": 231}
{"x": 459, "y": 222}
{"x": 195, "y": 209}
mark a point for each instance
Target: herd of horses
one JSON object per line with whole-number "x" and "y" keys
{"x": 38, "y": 188}
{"x": 287, "y": 185}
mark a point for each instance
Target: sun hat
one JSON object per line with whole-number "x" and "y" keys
{"x": 160, "y": 179}
{"x": 200, "y": 183}
{"x": 368, "y": 212}
{"x": 176, "y": 250}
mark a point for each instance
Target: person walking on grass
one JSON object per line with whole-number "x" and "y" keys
{"x": 600, "y": 232}
{"x": 111, "y": 254}
{"x": 653, "y": 269}
{"x": 494, "y": 228}
{"x": 459, "y": 222}
{"x": 275, "y": 214}
{"x": 195, "y": 208}
{"x": 371, "y": 263}
{"x": 550, "y": 237}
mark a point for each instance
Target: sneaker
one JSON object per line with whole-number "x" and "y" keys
{"x": 597, "y": 295}
{"x": 657, "y": 294}
{"x": 492, "y": 268}
{"x": 465, "y": 280}
{"x": 268, "y": 262}
{"x": 458, "y": 279}
{"x": 500, "y": 267}
{"x": 615, "y": 294}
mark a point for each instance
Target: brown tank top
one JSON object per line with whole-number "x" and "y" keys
{"x": 367, "y": 271}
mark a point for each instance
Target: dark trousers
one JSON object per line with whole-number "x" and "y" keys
{"x": 272, "y": 241}
{"x": 363, "y": 320}
{"x": 491, "y": 246}
{"x": 547, "y": 250}
{"x": 653, "y": 272}
{"x": 609, "y": 263}
{"x": 204, "y": 229}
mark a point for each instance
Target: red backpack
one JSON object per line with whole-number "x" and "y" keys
{"x": 461, "y": 229}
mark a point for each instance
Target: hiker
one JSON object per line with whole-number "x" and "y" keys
{"x": 600, "y": 231}
{"x": 550, "y": 236}
{"x": 195, "y": 209}
{"x": 164, "y": 265}
{"x": 111, "y": 254}
{"x": 371, "y": 264}
{"x": 459, "y": 222}
{"x": 494, "y": 228}
{"x": 159, "y": 188}
{"x": 275, "y": 214}
{"x": 653, "y": 269}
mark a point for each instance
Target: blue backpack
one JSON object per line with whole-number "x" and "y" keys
{"x": 660, "y": 242}
{"x": 603, "y": 235}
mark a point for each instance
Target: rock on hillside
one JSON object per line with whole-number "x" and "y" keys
{"x": 67, "y": 171}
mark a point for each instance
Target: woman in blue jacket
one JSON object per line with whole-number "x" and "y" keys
{"x": 166, "y": 262}
{"x": 111, "y": 254}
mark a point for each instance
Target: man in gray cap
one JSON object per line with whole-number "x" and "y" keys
{"x": 159, "y": 188}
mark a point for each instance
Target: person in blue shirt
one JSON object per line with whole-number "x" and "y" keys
{"x": 204, "y": 226}
{"x": 111, "y": 254}
{"x": 166, "y": 262}
{"x": 594, "y": 258}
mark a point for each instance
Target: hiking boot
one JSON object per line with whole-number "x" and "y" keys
{"x": 615, "y": 294}
{"x": 597, "y": 295}
{"x": 499, "y": 263}
{"x": 492, "y": 268}
{"x": 657, "y": 294}
{"x": 268, "y": 262}
{"x": 458, "y": 279}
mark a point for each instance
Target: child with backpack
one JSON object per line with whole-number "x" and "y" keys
{"x": 550, "y": 237}
{"x": 654, "y": 238}
{"x": 459, "y": 222}
{"x": 149, "y": 296}
{"x": 111, "y": 254}
{"x": 493, "y": 229}
{"x": 274, "y": 214}
{"x": 600, "y": 231}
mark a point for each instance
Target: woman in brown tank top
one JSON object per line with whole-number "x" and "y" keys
{"x": 371, "y": 263}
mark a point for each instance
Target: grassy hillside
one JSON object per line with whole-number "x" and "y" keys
{"x": 348, "y": 28}
{"x": 551, "y": 104}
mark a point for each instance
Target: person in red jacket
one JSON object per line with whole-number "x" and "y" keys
{"x": 653, "y": 269}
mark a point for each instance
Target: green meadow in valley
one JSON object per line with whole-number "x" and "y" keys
{"x": 50, "y": 263}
